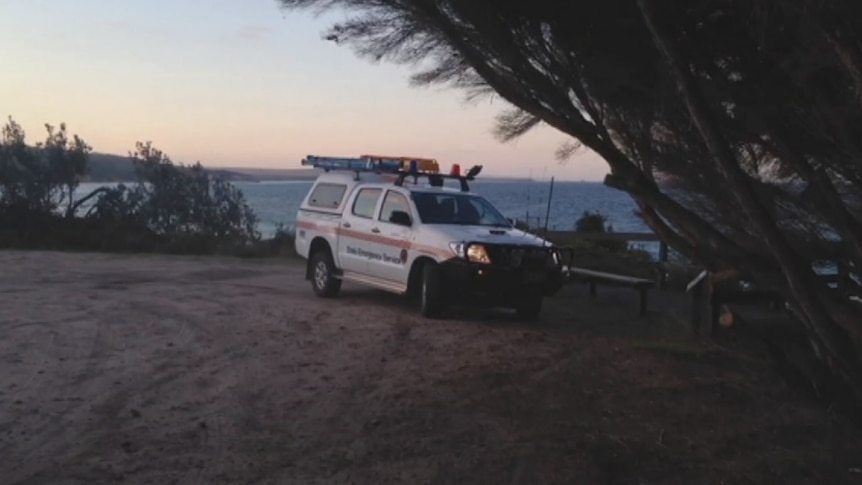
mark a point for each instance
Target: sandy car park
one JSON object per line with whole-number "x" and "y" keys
{"x": 157, "y": 369}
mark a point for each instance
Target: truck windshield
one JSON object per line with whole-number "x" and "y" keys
{"x": 456, "y": 208}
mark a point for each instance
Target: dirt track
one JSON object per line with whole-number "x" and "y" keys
{"x": 148, "y": 369}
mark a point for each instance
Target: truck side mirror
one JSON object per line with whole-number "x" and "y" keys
{"x": 401, "y": 218}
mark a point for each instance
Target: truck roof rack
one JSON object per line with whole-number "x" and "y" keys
{"x": 403, "y": 167}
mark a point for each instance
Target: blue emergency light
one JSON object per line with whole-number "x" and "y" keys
{"x": 372, "y": 163}
{"x": 389, "y": 166}
{"x": 338, "y": 163}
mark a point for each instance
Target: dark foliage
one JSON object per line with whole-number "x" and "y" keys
{"x": 184, "y": 204}
{"x": 731, "y": 124}
{"x": 597, "y": 222}
{"x": 39, "y": 180}
{"x": 171, "y": 208}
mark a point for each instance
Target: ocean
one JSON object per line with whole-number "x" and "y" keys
{"x": 277, "y": 202}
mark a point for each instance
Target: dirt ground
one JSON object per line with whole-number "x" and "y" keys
{"x": 155, "y": 369}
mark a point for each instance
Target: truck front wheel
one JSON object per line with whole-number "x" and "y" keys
{"x": 323, "y": 281}
{"x": 529, "y": 307}
{"x": 432, "y": 300}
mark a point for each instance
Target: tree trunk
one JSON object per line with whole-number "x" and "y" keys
{"x": 849, "y": 57}
{"x": 828, "y": 201}
{"x": 74, "y": 207}
{"x": 627, "y": 174}
{"x": 70, "y": 201}
{"x": 801, "y": 280}
{"x": 707, "y": 240}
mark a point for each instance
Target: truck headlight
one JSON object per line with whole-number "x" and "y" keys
{"x": 475, "y": 253}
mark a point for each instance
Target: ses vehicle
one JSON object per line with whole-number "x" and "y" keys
{"x": 392, "y": 224}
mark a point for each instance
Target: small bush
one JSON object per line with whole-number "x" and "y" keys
{"x": 522, "y": 225}
{"x": 281, "y": 245}
{"x": 194, "y": 209}
{"x": 591, "y": 255}
{"x": 592, "y": 222}
{"x": 596, "y": 222}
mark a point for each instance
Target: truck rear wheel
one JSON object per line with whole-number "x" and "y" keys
{"x": 323, "y": 280}
{"x": 432, "y": 300}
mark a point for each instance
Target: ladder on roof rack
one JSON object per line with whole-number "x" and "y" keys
{"x": 372, "y": 163}
{"x": 403, "y": 167}
{"x": 344, "y": 163}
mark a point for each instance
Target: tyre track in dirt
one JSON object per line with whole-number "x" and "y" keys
{"x": 43, "y": 367}
{"x": 174, "y": 370}
{"x": 51, "y": 435}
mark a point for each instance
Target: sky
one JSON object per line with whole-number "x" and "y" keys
{"x": 241, "y": 83}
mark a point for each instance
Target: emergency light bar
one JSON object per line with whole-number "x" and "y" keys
{"x": 400, "y": 166}
{"x": 410, "y": 164}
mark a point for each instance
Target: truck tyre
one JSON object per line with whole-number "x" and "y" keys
{"x": 529, "y": 307}
{"x": 323, "y": 281}
{"x": 432, "y": 300}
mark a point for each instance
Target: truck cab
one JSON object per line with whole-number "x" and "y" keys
{"x": 380, "y": 227}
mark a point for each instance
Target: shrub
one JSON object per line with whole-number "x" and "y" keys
{"x": 596, "y": 222}
{"x": 170, "y": 208}
{"x": 522, "y": 225}
{"x": 38, "y": 179}
{"x": 193, "y": 209}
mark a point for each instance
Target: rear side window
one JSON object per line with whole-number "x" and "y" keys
{"x": 366, "y": 201}
{"x": 327, "y": 196}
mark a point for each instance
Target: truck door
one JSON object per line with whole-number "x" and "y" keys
{"x": 393, "y": 239}
{"x": 355, "y": 234}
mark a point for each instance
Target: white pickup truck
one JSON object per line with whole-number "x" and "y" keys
{"x": 438, "y": 245}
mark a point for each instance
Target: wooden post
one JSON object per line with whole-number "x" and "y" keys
{"x": 696, "y": 308}
{"x": 702, "y": 302}
{"x": 662, "y": 259}
{"x": 843, "y": 276}
{"x": 660, "y": 276}
{"x": 643, "y": 307}
{"x": 713, "y": 305}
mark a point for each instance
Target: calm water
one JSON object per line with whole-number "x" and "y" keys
{"x": 277, "y": 202}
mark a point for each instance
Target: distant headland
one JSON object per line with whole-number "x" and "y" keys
{"x": 107, "y": 168}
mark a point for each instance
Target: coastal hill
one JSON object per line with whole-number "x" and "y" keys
{"x": 106, "y": 168}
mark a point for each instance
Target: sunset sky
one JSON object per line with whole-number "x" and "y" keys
{"x": 239, "y": 83}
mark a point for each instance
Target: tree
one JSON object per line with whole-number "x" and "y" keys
{"x": 598, "y": 222}
{"x": 181, "y": 208}
{"x": 66, "y": 161}
{"x": 36, "y": 180}
{"x": 731, "y": 124}
{"x": 592, "y": 222}
{"x": 179, "y": 202}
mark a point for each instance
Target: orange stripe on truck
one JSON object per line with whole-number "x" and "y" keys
{"x": 375, "y": 238}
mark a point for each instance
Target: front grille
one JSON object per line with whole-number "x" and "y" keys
{"x": 527, "y": 257}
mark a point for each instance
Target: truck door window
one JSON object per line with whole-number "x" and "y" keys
{"x": 365, "y": 202}
{"x": 327, "y": 195}
{"x": 393, "y": 202}
{"x": 468, "y": 210}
